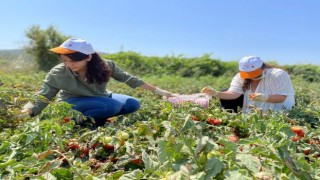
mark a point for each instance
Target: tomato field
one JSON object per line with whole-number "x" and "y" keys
{"x": 159, "y": 141}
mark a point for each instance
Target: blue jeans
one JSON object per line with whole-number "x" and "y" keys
{"x": 101, "y": 107}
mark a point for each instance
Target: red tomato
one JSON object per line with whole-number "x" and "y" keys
{"x": 295, "y": 138}
{"x": 95, "y": 145}
{"x": 73, "y": 145}
{"x": 67, "y": 119}
{"x": 195, "y": 118}
{"x": 108, "y": 146}
{"x": 113, "y": 160}
{"x": 233, "y": 138}
{"x": 85, "y": 151}
{"x": 220, "y": 144}
{"x": 137, "y": 161}
{"x": 213, "y": 121}
{"x": 217, "y": 122}
{"x": 64, "y": 160}
{"x": 297, "y": 129}
{"x": 300, "y": 134}
{"x": 307, "y": 151}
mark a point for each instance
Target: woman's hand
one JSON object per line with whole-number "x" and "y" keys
{"x": 157, "y": 90}
{"x": 209, "y": 90}
{"x": 258, "y": 97}
{"x": 24, "y": 114}
{"x": 162, "y": 92}
{"x": 26, "y": 111}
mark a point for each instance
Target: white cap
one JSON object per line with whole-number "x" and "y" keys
{"x": 74, "y": 45}
{"x": 250, "y": 66}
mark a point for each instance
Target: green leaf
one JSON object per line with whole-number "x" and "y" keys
{"x": 163, "y": 151}
{"x": 50, "y": 166}
{"x": 202, "y": 143}
{"x": 169, "y": 129}
{"x": 229, "y": 145}
{"x": 187, "y": 124}
{"x": 49, "y": 176}
{"x": 251, "y": 162}
{"x": 4, "y": 145}
{"x": 62, "y": 173}
{"x": 150, "y": 165}
{"x": 285, "y": 156}
{"x": 115, "y": 175}
{"x": 213, "y": 167}
{"x": 182, "y": 174}
{"x": 30, "y": 138}
{"x": 136, "y": 174}
{"x": 198, "y": 176}
{"x": 237, "y": 174}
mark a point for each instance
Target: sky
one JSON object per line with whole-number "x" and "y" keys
{"x": 285, "y": 31}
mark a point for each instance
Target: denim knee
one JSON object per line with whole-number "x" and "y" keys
{"x": 133, "y": 105}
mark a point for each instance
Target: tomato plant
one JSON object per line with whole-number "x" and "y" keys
{"x": 159, "y": 140}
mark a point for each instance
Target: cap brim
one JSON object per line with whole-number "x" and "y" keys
{"x": 61, "y": 50}
{"x": 251, "y": 74}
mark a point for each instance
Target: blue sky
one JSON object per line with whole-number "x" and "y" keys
{"x": 286, "y": 31}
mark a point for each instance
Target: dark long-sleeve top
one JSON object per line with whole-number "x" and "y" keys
{"x": 64, "y": 83}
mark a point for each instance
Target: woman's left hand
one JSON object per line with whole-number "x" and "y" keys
{"x": 258, "y": 97}
{"x": 162, "y": 92}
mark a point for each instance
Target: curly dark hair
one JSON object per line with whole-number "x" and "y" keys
{"x": 98, "y": 71}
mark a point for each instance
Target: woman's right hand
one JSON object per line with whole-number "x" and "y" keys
{"x": 26, "y": 111}
{"x": 209, "y": 90}
{"x": 24, "y": 114}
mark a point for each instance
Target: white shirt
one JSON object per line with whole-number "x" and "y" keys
{"x": 275, "y": 81}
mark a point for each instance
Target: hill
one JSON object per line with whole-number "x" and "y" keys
{"x": 15, "y": 59}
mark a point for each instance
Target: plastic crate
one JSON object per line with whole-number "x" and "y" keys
{"x": 199, "y": 98}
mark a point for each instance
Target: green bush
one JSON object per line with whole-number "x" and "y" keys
{"x": 168, "y": 65}
{"x": 40, "y": 43}
{"x": 307, "y": 72}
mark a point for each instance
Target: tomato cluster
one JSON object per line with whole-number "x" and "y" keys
{"x": 214, "y": 121}
{"x": 210, "y": 120}
{"x": 73, "y": 144}
{"x": 299, "y": 133}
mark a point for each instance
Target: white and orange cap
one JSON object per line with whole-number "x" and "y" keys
{"x": 250, "y": 67}
{"x": 74, "y": 45}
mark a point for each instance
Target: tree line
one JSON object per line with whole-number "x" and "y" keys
{"x": 40, "y": 40}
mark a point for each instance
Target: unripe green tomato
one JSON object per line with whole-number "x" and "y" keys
{"x": 308, "y": 110}
{"x": 141, "y": 130}
{"x": 15, "y": 138}
{"x": 123, "y": 135}
{"x": 106, "y": 139}
{"x": 202, "y": 158}
{"x": 212, "y": 153}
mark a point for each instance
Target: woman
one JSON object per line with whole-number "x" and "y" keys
{"x": 261, "y": 85}
{"x": 81, "y": 80}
